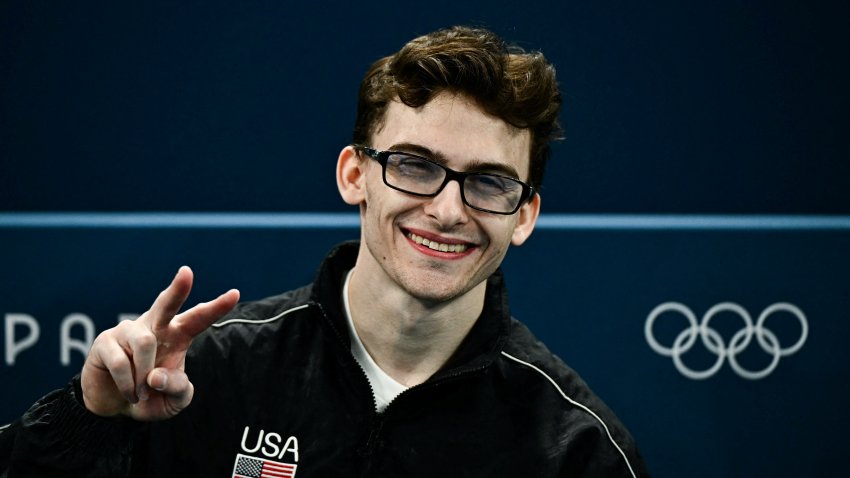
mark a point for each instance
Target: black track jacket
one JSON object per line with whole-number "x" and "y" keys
{"x": 278, "y": 394}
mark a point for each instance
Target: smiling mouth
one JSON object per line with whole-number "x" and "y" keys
{"x": 437, "y": 246}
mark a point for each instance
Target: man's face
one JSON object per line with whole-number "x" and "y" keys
{"x": 454, "y": 131}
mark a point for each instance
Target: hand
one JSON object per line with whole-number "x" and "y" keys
{"x": 136, "y": 368}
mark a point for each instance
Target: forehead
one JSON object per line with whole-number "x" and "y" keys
{"x": 456, "y": 128}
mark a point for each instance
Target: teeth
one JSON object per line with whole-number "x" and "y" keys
{"x": 437, "y": 246}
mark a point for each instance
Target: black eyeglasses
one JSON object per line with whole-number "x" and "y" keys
{"x": 419, "y": 176}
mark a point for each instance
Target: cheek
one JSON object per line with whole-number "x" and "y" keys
{"x": 500, "y": 230}
{"x": 379, "y": 214}
{"x": 387, "y": 206}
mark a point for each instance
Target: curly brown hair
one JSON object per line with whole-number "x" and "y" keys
{"x": 504, "y": 80}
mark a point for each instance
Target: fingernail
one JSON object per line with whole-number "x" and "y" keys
{"x": 163, "y": 379}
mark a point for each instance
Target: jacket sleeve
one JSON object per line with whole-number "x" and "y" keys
{"x": 593, "y": 453}
{"x": 59, "y": 437}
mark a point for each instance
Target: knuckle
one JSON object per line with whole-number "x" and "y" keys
{"x": 125, "y": 325}
{"x": 117, "y": 364}
{"x": 124, "y": 329}
{"x": 143, "y": 340}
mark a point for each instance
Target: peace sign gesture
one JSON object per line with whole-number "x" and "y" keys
{"x": 137, "y": 368}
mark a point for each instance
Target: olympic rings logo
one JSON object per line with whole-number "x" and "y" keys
{"x": 713, "y": 341}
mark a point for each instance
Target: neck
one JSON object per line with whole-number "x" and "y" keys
{"x": 409, "y": 338}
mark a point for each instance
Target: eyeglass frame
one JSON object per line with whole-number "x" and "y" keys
{"x": 381, "y": 157}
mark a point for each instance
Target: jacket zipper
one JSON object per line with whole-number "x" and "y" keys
{"x": 378, "y": 419}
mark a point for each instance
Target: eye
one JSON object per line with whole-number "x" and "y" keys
{"x": 413, "y": 166}
{"x": 493, "y": 185}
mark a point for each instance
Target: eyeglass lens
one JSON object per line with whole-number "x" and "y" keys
{"x": 484, "y": 191}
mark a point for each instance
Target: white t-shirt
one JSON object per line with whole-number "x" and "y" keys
{"x": 384, "y": 387}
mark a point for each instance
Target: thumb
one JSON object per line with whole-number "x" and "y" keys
{"x": 175, "y": 387}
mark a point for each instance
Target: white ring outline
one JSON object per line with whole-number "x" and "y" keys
{"x": 713, "y": 341}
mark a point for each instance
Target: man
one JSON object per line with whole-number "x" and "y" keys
{"x": 401, "y": 359}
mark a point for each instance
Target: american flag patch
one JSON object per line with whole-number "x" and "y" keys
{"x": 250, "y": 467}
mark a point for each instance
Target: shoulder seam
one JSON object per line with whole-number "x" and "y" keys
{"x": 260, "y": 321}
{"x": 577, "y": 404}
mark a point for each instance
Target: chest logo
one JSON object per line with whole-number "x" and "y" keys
{"x": 273, "y": 447}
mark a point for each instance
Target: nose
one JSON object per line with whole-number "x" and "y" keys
{"x": 447, "y": 206}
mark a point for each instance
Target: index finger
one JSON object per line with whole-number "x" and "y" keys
{"x": 169, "y": 301}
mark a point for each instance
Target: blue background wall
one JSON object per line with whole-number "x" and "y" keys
{"x": 670, "y": 106}
{"x": 735, "y": 112}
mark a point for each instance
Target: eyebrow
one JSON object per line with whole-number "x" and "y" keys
{"x": 475, "y": 165}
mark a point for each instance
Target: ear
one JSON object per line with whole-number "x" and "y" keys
{"x": 350, "y": 176}
{"x": 526, "y": 219}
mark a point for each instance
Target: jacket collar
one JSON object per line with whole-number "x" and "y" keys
{"x": 478, "y": 349}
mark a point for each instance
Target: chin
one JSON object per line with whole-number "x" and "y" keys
{"x": 436, "y": 289}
